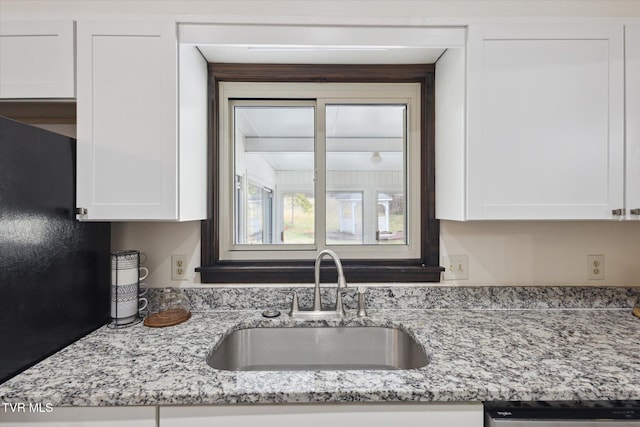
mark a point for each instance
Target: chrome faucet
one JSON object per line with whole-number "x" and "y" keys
{"x": 316, "y": 312}
{"x": 342, "y": 283}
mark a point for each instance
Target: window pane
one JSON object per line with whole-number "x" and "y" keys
{"x": 391, "y": 218}
{"x": 344, "y": 218}
{"x": 254, "y": 224}
{"x": 366, "y": 153}
{"x": 298, "y": 218}
{"x": 274, "y": 152}
{"x": 254, "y": 215}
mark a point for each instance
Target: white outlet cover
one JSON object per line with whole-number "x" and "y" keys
{"x": 456, "y": 267}
{"x": 595, "y": 267}
{"x": 178, "y": 273}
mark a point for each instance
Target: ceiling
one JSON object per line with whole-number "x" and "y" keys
{"x": 284, "y": 136}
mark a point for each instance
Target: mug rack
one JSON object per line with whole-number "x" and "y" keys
{"x": 125, "y": 291}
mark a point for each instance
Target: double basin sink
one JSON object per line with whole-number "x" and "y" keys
{"x": 317, "y": 348}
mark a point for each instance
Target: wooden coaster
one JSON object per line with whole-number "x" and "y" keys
{"x": 636, "y": 311}
{"x": 167, "y": 318}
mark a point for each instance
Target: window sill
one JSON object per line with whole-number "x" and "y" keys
{"x": 303, "y": 272}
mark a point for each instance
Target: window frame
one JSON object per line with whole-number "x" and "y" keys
{"x": 320, "y": 97}
{"x": 426, "y": 268}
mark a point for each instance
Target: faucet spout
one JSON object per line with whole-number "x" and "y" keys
{"x": 342, "y": 283}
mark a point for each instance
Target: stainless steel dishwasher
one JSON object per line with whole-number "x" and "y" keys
{"x": 563, "y": 414}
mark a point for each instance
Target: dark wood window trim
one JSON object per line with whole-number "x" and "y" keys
{"x": 424, "y": 269}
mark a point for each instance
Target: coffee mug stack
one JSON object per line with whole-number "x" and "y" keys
{"x": 126, "y": 289}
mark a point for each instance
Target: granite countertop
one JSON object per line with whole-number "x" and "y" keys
{"x": 493, "y": 353}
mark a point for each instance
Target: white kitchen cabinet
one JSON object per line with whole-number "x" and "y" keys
{"x": 541, "y": 108}
{"x": 322, "y": 415}
{"x": 136, "y": 160}
{"x": 37, "y": 59}
{"x": 40, "y": 415}
{"x": 632, "y": 64}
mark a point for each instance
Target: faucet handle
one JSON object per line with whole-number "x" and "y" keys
{"x": 294, "y": 302}
{"x": 362, "y": 310}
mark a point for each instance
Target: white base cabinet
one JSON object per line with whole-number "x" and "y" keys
{"x": 280, "y": 415}
{"x": 37, "y": 59}
{"x": 544, "y": 110}
{"x": 122, "y": 416}
{"x": 134, "y": 161}
{"x": 322, "y": 415}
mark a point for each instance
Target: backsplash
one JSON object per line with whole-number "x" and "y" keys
{"x": 500, "y": 253}
{"x": 422, "y": 297}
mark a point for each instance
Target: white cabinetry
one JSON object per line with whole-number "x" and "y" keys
{"x": 544, "y": 123}
{"x": 129, "y": 416}
{"x": 322, "y": 415}
{"x": 37, "y": 59}
{"x": 632, "y": 43}
{"x": 133, "y": 157}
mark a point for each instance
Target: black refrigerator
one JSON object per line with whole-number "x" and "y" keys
{"x": 54, "y": 270}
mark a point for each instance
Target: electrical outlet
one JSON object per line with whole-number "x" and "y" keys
{"x": 595, "y": 267}
{"x": 178, "y": 267}
{"x": 456, "y": 267}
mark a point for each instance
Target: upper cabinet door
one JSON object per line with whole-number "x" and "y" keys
{"x": 545, "y": 136}
{"x": 37, "y": 60}
{"x": 632, "y": 43}
{"x": 127, "y": 121}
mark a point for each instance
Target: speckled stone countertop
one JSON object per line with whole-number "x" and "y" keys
{"x": 493, "y": 353}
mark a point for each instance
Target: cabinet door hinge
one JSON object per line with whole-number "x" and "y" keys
{"x": 81, "y": 211}
{"x": 635, "y": 211}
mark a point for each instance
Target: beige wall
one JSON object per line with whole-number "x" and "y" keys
{"x": 159, "y": 241}
{"x": 544, "y": 252}
{"x": 500, "y": 253}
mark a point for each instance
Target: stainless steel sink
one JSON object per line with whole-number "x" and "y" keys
{"x": 317, "y": 348}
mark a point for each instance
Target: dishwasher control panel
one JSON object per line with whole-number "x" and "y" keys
{"x": 563, "y": 413}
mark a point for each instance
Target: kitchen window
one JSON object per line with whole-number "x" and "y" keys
{"x": 305, "y": 158}
{"x": 335, "y": 144}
